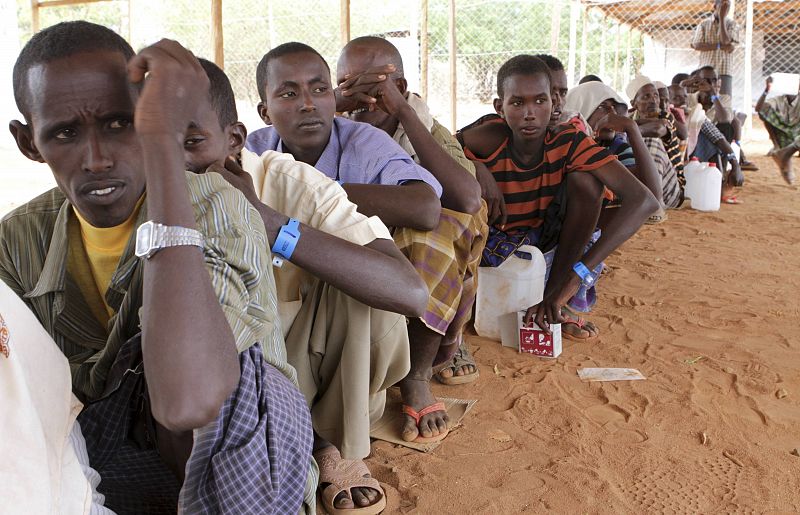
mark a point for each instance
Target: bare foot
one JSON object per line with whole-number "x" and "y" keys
{"x": 416, "y": 393}
{"x": 460, "y": 371}
{"x": 359, "y": 497}
{"x": 783, "y": 158}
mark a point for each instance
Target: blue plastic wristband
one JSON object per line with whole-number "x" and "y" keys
{"x": 714, "y": 98}
{"x": 584, "y": 273}
{"x": 287, "y": 239}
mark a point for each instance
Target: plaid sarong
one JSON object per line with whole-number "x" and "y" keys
{"x": 447, "y": 260}
{"x": 501, "y": 245}
{"x": 671, "y": 189}
{"x": 254, "y": 458}
{"x": 784, "y": 132}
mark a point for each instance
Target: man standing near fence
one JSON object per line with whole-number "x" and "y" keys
{"x": 716, "y": 38}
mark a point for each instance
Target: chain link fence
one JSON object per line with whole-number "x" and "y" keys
{"x": 614, "y": 39}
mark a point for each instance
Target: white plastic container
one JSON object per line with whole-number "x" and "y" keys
{"x": 709, "y": 189}
{"x": 515, "y": 285}
{"x": 690, "y": 171}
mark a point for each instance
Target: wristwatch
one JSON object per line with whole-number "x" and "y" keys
{"x": 152, "y": 237}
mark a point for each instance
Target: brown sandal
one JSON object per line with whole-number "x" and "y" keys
{"x": 343, "y": 475}
{"x": 461, "y": 358}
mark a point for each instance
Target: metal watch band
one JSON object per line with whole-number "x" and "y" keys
{"x": 152, "y": 237}
{"x": 174, "y": 236}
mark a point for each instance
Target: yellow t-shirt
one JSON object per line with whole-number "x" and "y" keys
{"x": 104, "y": 246}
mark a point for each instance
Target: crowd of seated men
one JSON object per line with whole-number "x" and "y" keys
{"x": 228, "y": 309}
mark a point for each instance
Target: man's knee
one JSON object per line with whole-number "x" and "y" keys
{"x": 727, "y": 130}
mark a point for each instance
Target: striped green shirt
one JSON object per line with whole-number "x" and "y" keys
{"x": 34, "y": 247}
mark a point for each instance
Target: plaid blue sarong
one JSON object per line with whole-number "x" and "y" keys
{"x": 500, "y": 245}
{"x": 254, "y": 458}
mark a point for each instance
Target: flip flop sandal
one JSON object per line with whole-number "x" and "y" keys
{"x": 748, "y": 166}
{"x": 461, "y": 358}
{"x": 659, "y": 217}
{"x": 731, "y": 200}
{"x": 343, "y": 475}
{"x": 411, "y": 412}
{"x": 573, "y": 319}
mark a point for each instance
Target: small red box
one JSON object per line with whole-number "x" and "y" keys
{"x": 534, "y": 340}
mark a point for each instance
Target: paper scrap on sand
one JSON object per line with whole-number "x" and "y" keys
{"x": 389, "y": 425}
{"x": 610, "y": 374}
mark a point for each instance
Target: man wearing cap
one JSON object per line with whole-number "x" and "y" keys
{"x": 659, "y": 131}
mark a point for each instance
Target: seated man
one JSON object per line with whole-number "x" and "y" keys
{"x": 171, "y": 333}
{"x": 344, "y": 263}
{"x": 781, "y": 117}
{"x": 664, "y": 106}
{"x": 705, "y": 86}
{"x": 53, "y": 475}
{"x": 461, "y": 233}
{"x": 553, "y": 181}
{"x": 660, "y": 132}
{"x": 597, "y": 104}
{"x": 709, "y": 140}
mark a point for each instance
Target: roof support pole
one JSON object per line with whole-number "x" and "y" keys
{"x": 574, "y": 12}
{"x": 423, "y": 49}
{"x": 216, "y": 33}
{"x": 344, "y": 22}
{"x": 748, "y": 70}
{"x": 585, "y": 16}
{"x": 453, "y": 68}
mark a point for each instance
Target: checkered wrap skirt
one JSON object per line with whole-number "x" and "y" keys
{"x": 254, "y": 458}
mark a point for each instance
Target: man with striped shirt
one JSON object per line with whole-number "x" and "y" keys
{"x": 552, "y": 180}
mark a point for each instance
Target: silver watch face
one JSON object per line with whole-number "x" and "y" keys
{"x": 144, "y": 239}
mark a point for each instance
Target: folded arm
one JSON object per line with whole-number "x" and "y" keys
{"x": 188, "y": 345}
{"x": 413, "y": 204}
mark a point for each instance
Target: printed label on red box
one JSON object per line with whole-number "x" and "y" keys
{"x": 533, "y": 340}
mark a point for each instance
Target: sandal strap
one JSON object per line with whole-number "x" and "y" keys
{"x": 462, "y": 357}
{"x": 342, "y": 474}
{"x": 416, "y": 415}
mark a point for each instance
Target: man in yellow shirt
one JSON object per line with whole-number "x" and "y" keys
{"x": 192, "y": 295}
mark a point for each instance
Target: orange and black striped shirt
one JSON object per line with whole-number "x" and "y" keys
{"x": 528, "y": 189}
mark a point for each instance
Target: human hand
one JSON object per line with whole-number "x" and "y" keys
{"x": 491, "y": 193}
{"x": 389, "y": 98}
{"x": 239, "y": 179}
{"x": 724, "y": 8}
{"x": 653, "y": 128}
{"x": 549, "y": 310}
{"x": 704, "y": 85}
{"x": 614, "y": 122}
{"x": 359, "y": 89}
{"x": 768, "y": 85}
{"x": 175, "y": 85}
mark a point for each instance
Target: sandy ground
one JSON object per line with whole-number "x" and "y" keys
{"x": 705, "y": 305}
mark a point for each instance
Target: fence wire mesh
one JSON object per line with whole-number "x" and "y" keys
{"x": 614, "y": 39}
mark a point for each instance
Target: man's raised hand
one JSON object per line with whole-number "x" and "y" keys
{"x": 174, "y": 86}
{"x": 359, "y": 89}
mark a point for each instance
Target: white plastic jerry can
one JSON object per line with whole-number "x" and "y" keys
{"x": 690, "y": 172}
{"x": 515, "y": 285}
{"x": 709, "y": 189}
